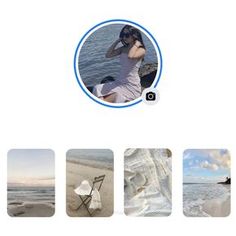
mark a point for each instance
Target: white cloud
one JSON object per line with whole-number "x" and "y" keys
{"x": 220, "y": 158}
{"x": 209, "y": 166}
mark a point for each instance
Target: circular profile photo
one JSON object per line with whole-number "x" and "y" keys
{"x": 115, "y": 61}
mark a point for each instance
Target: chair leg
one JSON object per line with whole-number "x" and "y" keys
{"x": 88, "y": 209}
{"x": 82, "y": 202}
{"x": 85, "y": 203}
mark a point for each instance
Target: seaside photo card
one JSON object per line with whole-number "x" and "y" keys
{"x": 89, "y": 182}
{"x": 147, "y": 182}
{"x": 30, "y": 183}
{"x": 206, "y": 183}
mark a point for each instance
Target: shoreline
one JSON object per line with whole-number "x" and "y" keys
{"x": 92, "y": 163}
{"x": 216, "y": 203}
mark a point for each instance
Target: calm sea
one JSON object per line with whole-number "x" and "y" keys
{"x": 93, "y": 66}
{"x": 31, "y": 194}
{"x": 103, "y": 157}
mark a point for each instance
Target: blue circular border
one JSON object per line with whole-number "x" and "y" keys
{"x": 80, "y": 42}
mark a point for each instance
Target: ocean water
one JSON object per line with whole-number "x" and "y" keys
{"x": 102, "y": 156}
{"x": 195, "y": 195}
{"x": 93, "y": 66}
{"x": 31, "y": 194}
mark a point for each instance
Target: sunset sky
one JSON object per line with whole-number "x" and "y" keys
{"x": 31, "y": 167}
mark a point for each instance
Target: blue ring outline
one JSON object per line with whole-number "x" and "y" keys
{"x": 96, "y": 26}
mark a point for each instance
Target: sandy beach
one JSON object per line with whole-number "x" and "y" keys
{"x": 217, "y": 207}
{"x": 76, "y": 173}
{"x": 24, "y": 209}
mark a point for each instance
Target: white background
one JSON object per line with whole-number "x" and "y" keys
{"x": 42, "y": 105}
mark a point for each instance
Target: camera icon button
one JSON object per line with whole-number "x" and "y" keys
{"x": 150, "y": 96}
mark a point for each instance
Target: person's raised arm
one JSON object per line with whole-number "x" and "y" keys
{"x": 113, "y": 51}
{"x": 136, "y": 51}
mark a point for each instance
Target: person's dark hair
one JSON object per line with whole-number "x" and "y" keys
{"x": 134, "y": 32}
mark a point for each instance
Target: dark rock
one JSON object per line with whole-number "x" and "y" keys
{"x": 90, "y": 89}
{"x": 147, "y": 74}
{"x": 228, "y": 181}
{"x": 147, "y": 69}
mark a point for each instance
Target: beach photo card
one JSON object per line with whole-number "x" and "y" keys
{"x": 147, "y": 182}
{"x": 89, "y": 182}
{"x": 30, "y": 183}
{"x": 206, "y": 183}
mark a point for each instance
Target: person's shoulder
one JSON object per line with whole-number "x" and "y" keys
{"x": 142, "y": 48}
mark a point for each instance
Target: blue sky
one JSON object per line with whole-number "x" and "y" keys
{"x": 205, "y": 165}
{"x": 30, "y": 167}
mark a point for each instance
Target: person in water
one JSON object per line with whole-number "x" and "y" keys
{"x": 127, "y": 86}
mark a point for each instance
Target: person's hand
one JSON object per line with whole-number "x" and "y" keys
{"x": 137, "y": 44}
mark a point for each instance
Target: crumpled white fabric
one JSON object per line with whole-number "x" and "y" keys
{"x": 147, "y": 182}
{"x": 96, "y": 200}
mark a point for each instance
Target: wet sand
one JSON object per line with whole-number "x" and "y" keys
{"x": 217, "y": 207}
{"x": 24, "y": 209}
